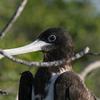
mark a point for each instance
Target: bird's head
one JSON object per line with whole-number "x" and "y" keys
{"x": 56, "y": 40}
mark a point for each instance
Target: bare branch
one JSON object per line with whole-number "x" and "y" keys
{"x": 2, "y": 92}
{"x": 16, "y": 97}
{"x": 14, "y": 17}
{"x": 38, "y": 64}
{"x": 46, "y": 64}
{"x": 82, "y": 53}
{"x": 89, "y": 69}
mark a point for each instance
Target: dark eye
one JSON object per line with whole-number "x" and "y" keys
{"x": 51, "y": 38}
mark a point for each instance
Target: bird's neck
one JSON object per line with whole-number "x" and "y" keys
{"x": 57, "y": 55}
{"x": 44, "y": 75}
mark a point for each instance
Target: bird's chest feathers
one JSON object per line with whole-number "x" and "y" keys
{"x": 49, "y": 89}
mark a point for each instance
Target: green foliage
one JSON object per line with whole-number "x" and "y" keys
{"x": 77, "y": 17}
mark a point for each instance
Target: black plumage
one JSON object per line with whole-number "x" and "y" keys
{"x": 25, "y": 86}
{"x": 67, "y": 84}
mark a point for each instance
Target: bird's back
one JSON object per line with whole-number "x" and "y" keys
{"x": 69, "y": 86}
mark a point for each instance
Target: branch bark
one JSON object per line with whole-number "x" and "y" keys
{"x": 2, "y": 92}
{"x": 82, "y": 53}
{"x": 14, "y": 17}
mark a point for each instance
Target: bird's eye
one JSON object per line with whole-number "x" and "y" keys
{"x": 51, "y": 38}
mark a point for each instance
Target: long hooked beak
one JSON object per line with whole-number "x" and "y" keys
{"x": 32, "y": 47}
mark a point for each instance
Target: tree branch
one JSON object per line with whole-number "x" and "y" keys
{"x": 89, "y": 69}
{"x": 2, "y": 92}
{"x": 46, "y": 64}
{"x": 14, "y": 17}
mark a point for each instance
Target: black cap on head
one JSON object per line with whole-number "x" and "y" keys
{"x": 60, "y": 40}
{"x": 57, "y": 36}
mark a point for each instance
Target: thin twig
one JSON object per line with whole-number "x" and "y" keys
{"x": 14, "y": 17}
{"x": 2, "y": 92}
{"x": 46, "y": 64}
{"x": 28, "y": 63}
{"x": 89, "y": 69}
{"x": 16, "y": 97}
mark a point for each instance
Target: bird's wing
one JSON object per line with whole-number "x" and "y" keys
{"x": 69, "y": 86}
{"x": 25, "y": 86}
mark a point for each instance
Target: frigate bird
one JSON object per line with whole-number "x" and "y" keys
{"x": 52, "y": 83}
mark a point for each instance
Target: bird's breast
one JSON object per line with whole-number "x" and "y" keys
{"x": 49, "y": 90}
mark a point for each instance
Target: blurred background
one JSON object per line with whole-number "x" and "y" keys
{"x": 80, "y": 17}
